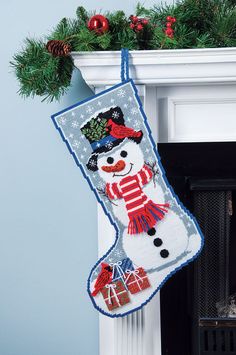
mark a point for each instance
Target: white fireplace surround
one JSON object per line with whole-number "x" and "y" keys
{"x": 188, "y": 96}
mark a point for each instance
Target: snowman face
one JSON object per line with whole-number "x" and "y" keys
{"x": 126, "y": 160}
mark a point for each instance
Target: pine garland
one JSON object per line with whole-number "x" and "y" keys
{"x": 199, "y": 24}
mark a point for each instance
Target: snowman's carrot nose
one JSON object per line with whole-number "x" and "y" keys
{"x": 120, "y": 165}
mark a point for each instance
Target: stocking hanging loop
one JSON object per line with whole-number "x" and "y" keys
{"x": 124, "y": 73}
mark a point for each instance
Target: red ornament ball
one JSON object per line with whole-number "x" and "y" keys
{"x": 99, "y": 24}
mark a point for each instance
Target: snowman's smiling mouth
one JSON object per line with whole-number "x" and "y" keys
{"x": 131, "y": 167}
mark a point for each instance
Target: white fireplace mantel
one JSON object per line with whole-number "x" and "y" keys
{"x": 188, "y": 96}
{"x": 160, "y": 67}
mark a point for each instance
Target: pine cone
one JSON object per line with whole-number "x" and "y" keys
{"x": 58, "y": 48}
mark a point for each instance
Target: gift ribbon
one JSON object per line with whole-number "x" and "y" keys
{"x": 111, "y": 293}
{"x": 117, "y": 266}
{"x": 137, "y": 278}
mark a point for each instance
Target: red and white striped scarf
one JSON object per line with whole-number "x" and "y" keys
{"x": 143, "y": 212}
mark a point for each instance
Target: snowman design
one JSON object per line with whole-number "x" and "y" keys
{"x": 155, "y": 234}
{"x": 151, "y": 234}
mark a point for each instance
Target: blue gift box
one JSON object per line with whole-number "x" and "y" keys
{"x": 120, "y": 267}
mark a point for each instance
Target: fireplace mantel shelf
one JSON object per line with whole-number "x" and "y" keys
{"x": 160, "y": 67}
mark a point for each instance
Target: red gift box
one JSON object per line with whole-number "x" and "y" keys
{"x": 115, "y": 295}
{"x": 136, "y": 280}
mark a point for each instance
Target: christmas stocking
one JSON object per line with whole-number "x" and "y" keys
{"x": 109, "y": 138}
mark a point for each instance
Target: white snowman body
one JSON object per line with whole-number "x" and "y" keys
{"x": 171, "y": 239}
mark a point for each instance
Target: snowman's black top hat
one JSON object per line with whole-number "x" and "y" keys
{"x": 106, "y": 131}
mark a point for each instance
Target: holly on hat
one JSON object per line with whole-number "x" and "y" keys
{"x": 106, "y": 131}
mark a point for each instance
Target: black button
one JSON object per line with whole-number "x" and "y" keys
{"x": 157, "y": 242}
{"x": 151, "y": 231}
{"x": 164, "y": 253}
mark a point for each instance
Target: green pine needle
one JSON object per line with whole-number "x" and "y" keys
{"x": 41, "y": 74}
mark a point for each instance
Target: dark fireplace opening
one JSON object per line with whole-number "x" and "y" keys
{"x": 198, "y": 304}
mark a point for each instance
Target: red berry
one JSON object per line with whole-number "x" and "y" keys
{"x": 173, "y": 20}
{"x": 144, "y": 21}
{"x": 168, "y": 24}
{"x": 134, "y": 19}
{"x": 139, "y": 27}
{"x": 132, "y": 25}
{"x": 169, "y": 31}
{"x": 169, "y": 18}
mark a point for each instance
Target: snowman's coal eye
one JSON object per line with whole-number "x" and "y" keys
{"x": 110, "y": 160}
{"x": 123, "y": 153}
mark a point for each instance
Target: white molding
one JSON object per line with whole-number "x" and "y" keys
{"x": 213, "y": 125}
{"x": 160, "y": 67}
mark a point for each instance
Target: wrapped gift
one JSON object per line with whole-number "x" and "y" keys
{"x": 119, "y": 268}
{"x": 136, "y": 280}
{"x": 115, "y": 295}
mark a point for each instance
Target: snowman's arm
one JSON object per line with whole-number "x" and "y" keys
{"x": 144, "y": 175}
{"x": 113, "y": 191}
{"x": 154, "y": 170}
{"x": 103, "y": 192}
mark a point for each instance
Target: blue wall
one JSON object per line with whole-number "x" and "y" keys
{"x": 48, "y": 230}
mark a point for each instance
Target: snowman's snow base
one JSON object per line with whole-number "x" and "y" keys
{"x": 142, "y": 250}
{"x": 110, "y": 140}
